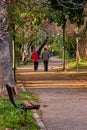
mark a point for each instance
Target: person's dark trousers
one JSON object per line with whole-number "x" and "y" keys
{"x": 35, "y": 66}
{"x": 45, "y": 65}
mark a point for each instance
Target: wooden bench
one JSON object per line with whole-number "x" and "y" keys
{"x": 25, "y": 104}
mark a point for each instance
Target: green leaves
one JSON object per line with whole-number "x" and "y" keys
{"x": 75, "y": 16}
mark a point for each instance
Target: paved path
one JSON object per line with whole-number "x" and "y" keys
{"x": 53, "y": 62}
{"x": 63, "y": 109}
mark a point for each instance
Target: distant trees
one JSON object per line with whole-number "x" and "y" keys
{"x": 73, "y": 11}
{"x": 28, "y": 17}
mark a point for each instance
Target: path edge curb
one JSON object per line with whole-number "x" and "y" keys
{"x": 36, "y": 116}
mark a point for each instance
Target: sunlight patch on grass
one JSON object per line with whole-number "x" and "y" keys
{"x": 82, "y": 64}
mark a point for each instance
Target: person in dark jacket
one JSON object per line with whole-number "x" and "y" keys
{"x": 35, "y": 58}
{"x": 45, "y": 58}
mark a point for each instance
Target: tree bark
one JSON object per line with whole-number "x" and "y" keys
{"x": 41, "y": 47}
{"x": 5, "y": 57}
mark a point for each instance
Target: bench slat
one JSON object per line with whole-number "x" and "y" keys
{"x": 27, "y": 104}
{"x": 12, "y": 89}
{"x": 35, "y": 105}
{"x": 30, "y": 104}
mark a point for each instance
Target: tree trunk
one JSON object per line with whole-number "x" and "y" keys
{"x": 41, "y": 47}
{"x": 5, "y": 58}
{"x": 83, "y": 47}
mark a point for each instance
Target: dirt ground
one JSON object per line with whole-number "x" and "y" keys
{"x": 25, "y": 76}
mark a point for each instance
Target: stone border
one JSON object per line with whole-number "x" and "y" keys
{"x": 39, "y": 121}
{"x": 36, "y": 116}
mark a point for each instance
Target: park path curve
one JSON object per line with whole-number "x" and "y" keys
{"x": 62, "y": 95}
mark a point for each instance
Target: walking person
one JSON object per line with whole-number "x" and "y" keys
{"x": 35, "y": 58}
{"x": 45, "y": 58}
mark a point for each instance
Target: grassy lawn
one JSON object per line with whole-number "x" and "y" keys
{"x": 72, "y": 65}
{"x": 10, "y": 117}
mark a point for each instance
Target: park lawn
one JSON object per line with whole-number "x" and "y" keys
{"x": 10, "y": 117}
{"x": 72, "y": 65}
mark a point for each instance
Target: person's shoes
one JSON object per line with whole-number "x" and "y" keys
{"x": 45, "y": 70}
{"x": 35, "y": 70}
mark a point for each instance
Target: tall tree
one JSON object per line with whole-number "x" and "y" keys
{"x": 5, "y": 58}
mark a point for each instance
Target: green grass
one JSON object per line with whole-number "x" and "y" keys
{"x": 10, "y": 117}
{"x": 21, "y": 63}
{"x": 82, "y": 64}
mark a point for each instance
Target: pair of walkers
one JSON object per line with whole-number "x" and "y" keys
{"x": 45, "y": 57}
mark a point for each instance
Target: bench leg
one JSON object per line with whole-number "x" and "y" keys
{"x": 25, "y": 114}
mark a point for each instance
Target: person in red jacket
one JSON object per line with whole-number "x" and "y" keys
{"x": 35, "y": 59}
